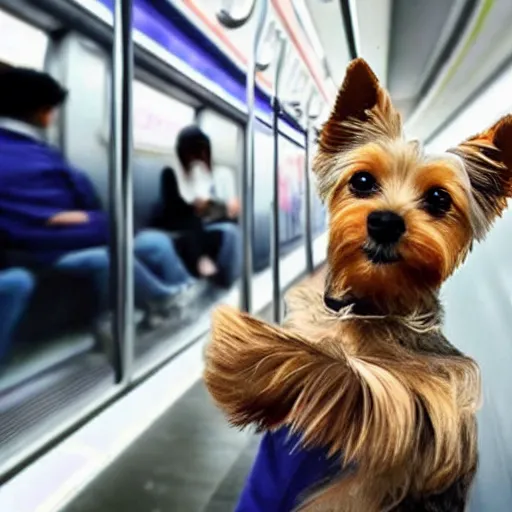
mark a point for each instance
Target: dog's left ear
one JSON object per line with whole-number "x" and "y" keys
{"x": 363, "y": 113}
{"x": 488, "y": 161}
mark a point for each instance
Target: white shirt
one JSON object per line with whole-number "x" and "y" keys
{"x": 200, "y": 183}
{"x": 225, "y": 188}
{"x": 14, "y": 125}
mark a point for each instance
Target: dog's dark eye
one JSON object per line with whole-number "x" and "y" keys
{"x": 437, "y": 201}
{"x": 363, "y": 184}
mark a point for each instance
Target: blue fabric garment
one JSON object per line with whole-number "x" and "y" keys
{"x": 16, "y": 286}
{"x": 229, "y": 258}
{"x": 36, "y": 183}
{"x": 157, "y": 270}
{"x": 283, "y": 473}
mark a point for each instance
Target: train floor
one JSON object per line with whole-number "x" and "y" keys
{"x": 188, "y": 461}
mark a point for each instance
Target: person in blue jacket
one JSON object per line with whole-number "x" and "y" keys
{"x": 284, "y": 474}
{"x": 49, "y": 212}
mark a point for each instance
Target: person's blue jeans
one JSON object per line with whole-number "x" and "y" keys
{"x": 158, "y": 270}
{"x": 229, "y": 257}
{"x": 16, "y": 286}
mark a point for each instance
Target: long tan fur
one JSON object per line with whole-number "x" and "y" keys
{"x": 370, "y": 405}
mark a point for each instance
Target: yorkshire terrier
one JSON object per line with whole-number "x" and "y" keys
{"x": 362, "y": 367}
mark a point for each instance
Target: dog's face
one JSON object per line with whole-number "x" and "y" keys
{"x": 402, "y": 221}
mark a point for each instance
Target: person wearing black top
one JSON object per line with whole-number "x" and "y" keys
{"x": 196, "y": 246}
{"x": 209, "y": 188}
{"x": 203, "y": 207}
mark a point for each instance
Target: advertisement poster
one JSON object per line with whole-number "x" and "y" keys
{"x": 291, "y": 191}
{"x": 157, "y": 119}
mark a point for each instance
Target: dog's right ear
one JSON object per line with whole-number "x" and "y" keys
{"x": 487, "y": 158}
{"x": 363, "y": 113}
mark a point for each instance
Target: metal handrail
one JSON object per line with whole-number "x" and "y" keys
{"x": 247, "y": 181}
{"x": 280, "y": 42}
{"x": 307, "y": 184}
{"x": 226, "y": 17}
{"x": 293, "y": 108}
{"x": 120, "y": 187}
{"x": 266, "y": 51}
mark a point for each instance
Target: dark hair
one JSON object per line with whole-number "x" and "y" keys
{"x": 193, "y": 143}
{"x": 25, "y": 91}
{"x": 4, "y": 66}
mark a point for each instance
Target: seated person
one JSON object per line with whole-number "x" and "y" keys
{"x": 196, "y": 246}
{"x": 16, "y": 286}
{"x": 191, "y": 203}
{"x": 49, "y": 213}
{"x": 210, "y": 189}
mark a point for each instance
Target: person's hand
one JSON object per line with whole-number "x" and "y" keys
{"x": 201, "y": 205}
{"x": 66, "y": 218}
{"x": 233, "y": 208}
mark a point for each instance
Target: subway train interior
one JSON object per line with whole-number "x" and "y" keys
{"x": 102, "y": 403}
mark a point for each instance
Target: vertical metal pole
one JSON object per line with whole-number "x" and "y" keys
{"x": 276, "y": 253}
{"x": 247, "y": 180}
{"x": 307, "y": 186}
{"x": 121, "y": 195}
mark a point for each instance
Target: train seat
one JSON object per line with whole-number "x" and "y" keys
{"x": 147, "y": 170}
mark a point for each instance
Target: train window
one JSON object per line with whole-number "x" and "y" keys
{"x": 56, "y": 344}
{"x": 171, "y": 254}
{"x": 291, "y": 196}
{"x": 226, "y": 139}
{"x": 157, "y": 119}
{"x": 263, "y": 170}
{"x": 291, "y": 193}
{"x": 21, "y": 44}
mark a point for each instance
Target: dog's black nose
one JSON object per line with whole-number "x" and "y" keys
{"x": 385, "y": 227}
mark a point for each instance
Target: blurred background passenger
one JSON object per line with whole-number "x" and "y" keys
{"x": 197, "y": 247}
{"x": 209, "y": 188}
{"x": 200, "y": 200}
{"x": 50, "y": 214}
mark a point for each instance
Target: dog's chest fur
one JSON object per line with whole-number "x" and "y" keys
{"x": 366, "y": 333}
{"x": 386, "y": 393}
{"x": 387, "y": 340}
